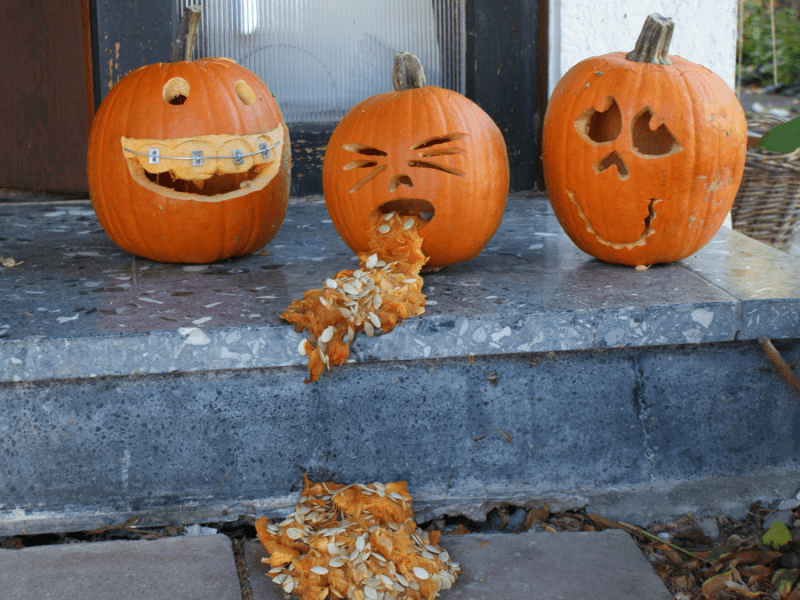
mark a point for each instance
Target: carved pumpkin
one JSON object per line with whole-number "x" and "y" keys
{"x": 418, "y": 150}
{"x": 189, "y": 162}
{"x": 642, "y": 154}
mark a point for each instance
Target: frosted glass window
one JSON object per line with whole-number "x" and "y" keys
{"x": 320, "y": 57}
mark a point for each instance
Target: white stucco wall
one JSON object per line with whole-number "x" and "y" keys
{"x": 705, "y": 31}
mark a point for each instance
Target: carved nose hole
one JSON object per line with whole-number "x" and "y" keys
{"x": 600, "y": 126}
{"x": 398, "y": 180}
{"x": 615, "y": 160}
{"x": 652, "y": 142}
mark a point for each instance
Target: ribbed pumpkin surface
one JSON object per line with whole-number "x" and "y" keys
{"x": 642, "y": 161}
{"x": 190, "y": 227}
{"x": 423, "y": 144}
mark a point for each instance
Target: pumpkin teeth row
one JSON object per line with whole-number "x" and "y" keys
{"x": 204, "y": 156}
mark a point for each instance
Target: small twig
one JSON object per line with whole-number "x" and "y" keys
{"x": 611, "y": 524}
{"x": 776, "y": 359}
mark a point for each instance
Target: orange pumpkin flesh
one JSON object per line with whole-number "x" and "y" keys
{"x": 642, "y": 161}
{"x": 175, "y": 209}
{"x": 421, "y": 150}
{"x": 342, "y": 540}
{"x": 385, "y": 289}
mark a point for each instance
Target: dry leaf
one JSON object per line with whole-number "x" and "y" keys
{"x": 9, "y": 262}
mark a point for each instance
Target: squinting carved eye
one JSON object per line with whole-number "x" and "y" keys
{"x": 364, "y": 163}
{"x": 429, "y": 148}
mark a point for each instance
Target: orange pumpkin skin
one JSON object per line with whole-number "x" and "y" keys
{"x": 187, "y": 225}
{"x": 624, "y": 190}
{"x": 420, "y": 144}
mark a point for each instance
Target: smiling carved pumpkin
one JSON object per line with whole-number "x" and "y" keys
{"x": 643, "y": 153}
{"x": 418, "y": 150}
{"x": 189, "y": 162}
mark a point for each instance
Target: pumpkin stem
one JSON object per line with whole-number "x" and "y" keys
{"x": 183, "y": 44}
{"x": 653, "y": 43}
{"x": 407, "y": 72}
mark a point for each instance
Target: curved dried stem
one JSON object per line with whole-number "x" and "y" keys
{"x": 407, "y": 72}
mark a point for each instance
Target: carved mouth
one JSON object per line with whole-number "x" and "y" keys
{"x": 209, "y": 168}
{"x": 409, "y": 206}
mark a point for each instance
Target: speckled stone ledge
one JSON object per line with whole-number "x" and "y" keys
{"x": 77, "y": 306}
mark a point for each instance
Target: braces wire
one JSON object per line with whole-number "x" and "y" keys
{"x": 154, "y": 155}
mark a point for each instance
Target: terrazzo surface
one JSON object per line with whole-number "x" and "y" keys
{"x": 75, "y": 305}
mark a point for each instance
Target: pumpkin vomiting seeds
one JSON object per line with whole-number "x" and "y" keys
{"x": 359, "y": 542}
{"x": 385, "y": 289}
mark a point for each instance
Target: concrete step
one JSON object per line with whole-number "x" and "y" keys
{"x": 546, "y": 566}
{"x": 175, "y": 394}
{"x": 174, "y": 568}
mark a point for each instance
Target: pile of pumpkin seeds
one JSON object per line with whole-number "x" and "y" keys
{"x": 358, "y": 300}
{"x": 350, "y": 558}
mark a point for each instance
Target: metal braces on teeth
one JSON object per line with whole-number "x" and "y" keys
{"x": 154, "y": 155}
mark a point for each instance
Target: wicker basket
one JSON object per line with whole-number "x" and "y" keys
{"x": 767, "y": 206}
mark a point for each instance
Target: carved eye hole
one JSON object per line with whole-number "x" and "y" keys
{"x": 175, "y": 91}
{"x": 652, "y": 142}
{"x": 245, "y": 93}
{"x": 600, "y": 126}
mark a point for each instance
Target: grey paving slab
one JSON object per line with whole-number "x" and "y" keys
{"x": 78, "y": 306}
{"x": 177, "y": 568}
{"x": 545, "y": 566}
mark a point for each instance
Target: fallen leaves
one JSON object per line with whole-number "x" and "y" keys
{"x": 741, "y": 561}
{"x": 9, "y": 262}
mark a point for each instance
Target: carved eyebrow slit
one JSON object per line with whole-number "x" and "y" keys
{"x": 362, "y": 149}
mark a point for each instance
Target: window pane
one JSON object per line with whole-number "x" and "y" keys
{"x": 320, "y": 57}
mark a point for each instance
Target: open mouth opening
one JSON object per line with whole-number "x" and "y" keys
{"x": 223, "y": 183}
{"x": 409, "y": 206}
{"x": 209, "y": 168}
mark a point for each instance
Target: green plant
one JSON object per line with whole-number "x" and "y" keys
{"x": 757, "y": 47}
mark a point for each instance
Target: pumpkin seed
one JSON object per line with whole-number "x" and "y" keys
{"x": 323, "y": 302}
{"x": 388, "y": 216}
{"x": 327, "y": 335}
{"x": 377, "y": 323}
{"x": 288, "y": 586}
{"x": 371, "y": 261}
{"x": 331, "y": 283}
{"x": 402, "y": 580}
{"x": 384, "y": 228}
{"x": 301, "y": 347}
{"x": 421, "y": 573}
{"x": 368, "y": 329}
{"x": 408, "y": 224}
{"x": 370, "y": 592}
{"x": 293, "y": 533}
{"x": 319, "y": 570}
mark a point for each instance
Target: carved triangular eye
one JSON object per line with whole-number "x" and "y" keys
{"x": 600, "y": 126}
{"x": 652, "y": 142}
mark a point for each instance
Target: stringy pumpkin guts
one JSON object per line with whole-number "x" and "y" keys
{"x": 385, "y": 289}
{"x": 358, "y": 542}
